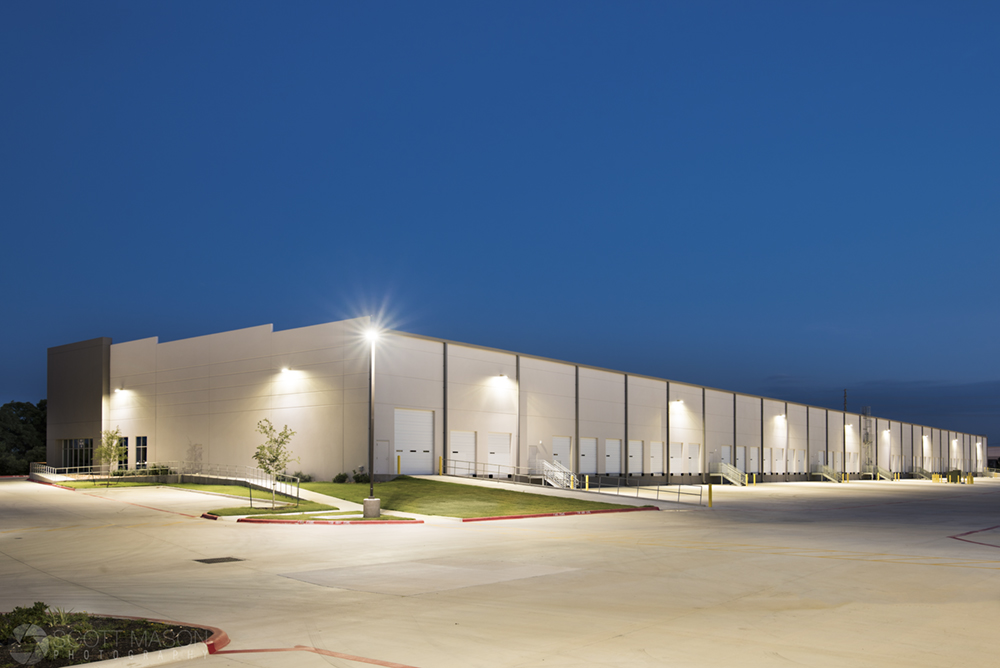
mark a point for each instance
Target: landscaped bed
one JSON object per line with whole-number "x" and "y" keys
{"x": 48, "y": 638}
{"x": 434, "y": 497}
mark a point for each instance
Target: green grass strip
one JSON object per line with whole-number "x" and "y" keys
{"x": 265, "y": 509}
{"x": 324, "y": 517}
{"x": 433, "y": 497}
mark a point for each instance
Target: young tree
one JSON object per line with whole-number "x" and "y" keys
{"x": 110, "y": 451}
{"x": 273, "y": 456}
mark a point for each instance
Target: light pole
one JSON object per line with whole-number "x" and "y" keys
{"x": 371, "y": 504}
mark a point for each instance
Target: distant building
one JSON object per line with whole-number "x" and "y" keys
{"x": 462, "y": 408}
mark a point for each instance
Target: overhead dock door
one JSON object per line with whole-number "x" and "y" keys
{"x": 414, "y": 441}
{"x": 588, "y": 456}
{"x": 462, "y": 453}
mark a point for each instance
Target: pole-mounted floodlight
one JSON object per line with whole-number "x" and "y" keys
{"x": 372, "y": 335}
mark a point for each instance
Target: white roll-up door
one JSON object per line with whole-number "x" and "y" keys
{"x": 612, "y": 456}
{"x": 656, "y": 457}
{"x": 499, "y": 455}
{"x": 462, "y": 453}
{"x": 692, "y": 453}
{"x": 635, "y": 457}
{"x": 414, "y": 441}
{"x": 561, "y": 450}
{"x": 677, "y": 459}
{"x": 741, "y": 458}
{"x": 588, "y": 456}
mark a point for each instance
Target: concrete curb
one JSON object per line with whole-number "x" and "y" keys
{"x": 252, "y": 520}
{"x": 210, "y": 516}
{"x": 198, "y": 650}
{"x": 53, "y": 484}
{"x": 568, "y": 512}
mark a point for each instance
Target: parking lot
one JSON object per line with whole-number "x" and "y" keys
{"x": 900, "y": 573}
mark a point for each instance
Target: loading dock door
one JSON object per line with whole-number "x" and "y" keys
{"x": 741, "y": 458}
{"x": 560, "y": 451}
{"x": 656, "y": 457}
{"x": 676, "y": 459}
{"x": 613, "y": 456}
{"x": 588, "y": 456}
{"x": 462, "y": 453}
{"x": 754, "y": 464}
{"x": 414, "y": 439}
{"x": 499, "y": 455}
{"x": 635, "y": 457}
{"x": 692, "y": 455}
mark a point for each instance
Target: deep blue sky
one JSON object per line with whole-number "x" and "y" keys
{"x": 784, "y": 198}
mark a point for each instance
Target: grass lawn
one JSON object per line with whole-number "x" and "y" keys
{"x": 303, "y": 507}
{"x": 432, "y": 497}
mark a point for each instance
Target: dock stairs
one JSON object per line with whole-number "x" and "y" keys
{"x": 729, "y": 473}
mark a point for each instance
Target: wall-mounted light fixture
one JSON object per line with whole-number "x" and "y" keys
{"x": 118, "y": 389}
{"x": 285, "y": 369}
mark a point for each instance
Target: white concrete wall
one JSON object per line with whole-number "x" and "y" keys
{"x": 602, "y": 409}
{"x": 482, "y": 396}
{"x": 852, "y": 434}
{"x": 775, "y": 435}
{"x": 748, "y": 430}
{"x": 686, "y": 418}
{"x": 201, "y": 398}
{"x": 817, "y": 437}
{"x": 548, "y": 395}
{"x": 835, "y": 435}
{"x": 719, "y": 426}
{"x": 647, "y": 414}
{"x": 797, "y": 439}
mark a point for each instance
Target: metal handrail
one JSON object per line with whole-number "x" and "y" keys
{"x": 558, "y": 475}
{"x": 729, "y": 472}
{"x": 827, "y": 472}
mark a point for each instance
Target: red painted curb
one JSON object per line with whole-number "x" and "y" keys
{"x": 5, "y": 477}
{"x": 215, "y": 642}
{"x": 252, "y": 520}
{"x": 210, "y": 516}
{"x": 568, "y": 512}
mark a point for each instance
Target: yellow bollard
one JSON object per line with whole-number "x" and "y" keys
{"x": 970, "y": 479}
{"x": 399, "y": 467}
{"x": 746, "y": 479}
{"x": 586, "y": 479}
{"x": 440, "y": 465}
{"x": 709, "y": 495}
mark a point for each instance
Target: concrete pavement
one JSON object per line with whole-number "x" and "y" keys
{"x": 818, "y": 574}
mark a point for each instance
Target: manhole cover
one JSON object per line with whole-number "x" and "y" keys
{"x": 218, "y": 560}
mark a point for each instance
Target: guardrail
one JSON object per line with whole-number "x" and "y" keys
{"x": 826, "y": 472}
{"x": 618, "y": 485}
{"x": 280, "y": 483}
{"x": 605, "y": 485}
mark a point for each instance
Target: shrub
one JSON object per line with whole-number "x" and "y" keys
{"x": 303, "y": 477}
{"x": 340, "y": 478}
{"x": 359, "y": 477}
{"x": 36, "y": 614}
{"x": 55, "y": 647}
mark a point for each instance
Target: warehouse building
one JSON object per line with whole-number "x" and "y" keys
{"x": 466, "y": 409}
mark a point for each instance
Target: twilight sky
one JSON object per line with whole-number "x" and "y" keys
{"x": 781, "y": 198}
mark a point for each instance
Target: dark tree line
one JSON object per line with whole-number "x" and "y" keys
{"x": 22, "y": 436}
